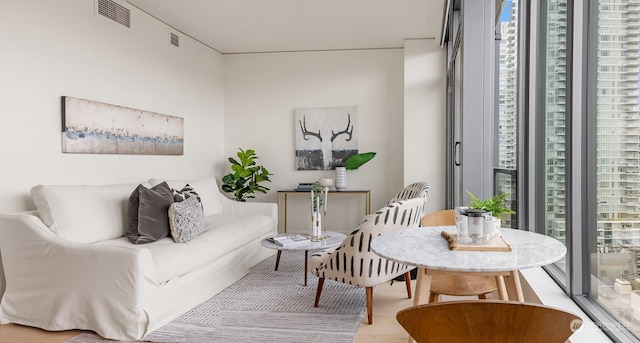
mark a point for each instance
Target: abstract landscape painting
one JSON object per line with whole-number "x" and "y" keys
{"x": 93, "y": 127}
{"x": 325, "y": 137}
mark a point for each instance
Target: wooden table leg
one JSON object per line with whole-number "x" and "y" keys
{"x": 306, "y": 266}
{"x": 516, "y": 282}
{"x": 423, "y": 289}
{"x": 278, "y": 259}
{"x": 502, "y": 288}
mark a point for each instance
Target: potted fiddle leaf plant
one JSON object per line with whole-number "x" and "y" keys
{"x": 246, "y": 176}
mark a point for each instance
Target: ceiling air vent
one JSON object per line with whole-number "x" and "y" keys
{"x": 175, "y": 39}
{"x": 114, "y": 11}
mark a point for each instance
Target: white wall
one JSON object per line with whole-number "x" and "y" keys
{"x": 262, "y": 91}
{"x": 62, "y": 48}
{"x": 424, "y": 117}
{"x": 57, "y": 48}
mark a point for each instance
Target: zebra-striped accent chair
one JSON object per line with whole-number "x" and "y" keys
{"x": 354, "y": 263}
{"x": 414, "y": 190}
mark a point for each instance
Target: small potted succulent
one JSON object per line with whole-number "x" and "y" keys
{"x": 495, "y": 206}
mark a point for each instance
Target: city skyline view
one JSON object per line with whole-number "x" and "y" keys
{"x": 613, "y": 253}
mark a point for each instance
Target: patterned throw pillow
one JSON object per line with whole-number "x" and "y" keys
{"x": 186, "y": 192}
{"x": 186, "y": 219}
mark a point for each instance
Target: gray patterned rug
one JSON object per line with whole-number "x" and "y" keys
{"x": 267, "y": 306}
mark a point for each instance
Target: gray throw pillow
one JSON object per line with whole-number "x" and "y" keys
{"x": 186, "y": 219}
{"x": 147, "y": 219}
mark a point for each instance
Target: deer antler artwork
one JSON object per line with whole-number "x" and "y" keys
{"x": 345, "y": 131}
{"x": 334, "y": 128}
{"x": 305, "y": 132}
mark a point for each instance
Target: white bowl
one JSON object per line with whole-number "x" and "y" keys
{"x": 326, "y": 182}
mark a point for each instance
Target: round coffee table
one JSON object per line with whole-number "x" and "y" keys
{"x": 335, "y": 239}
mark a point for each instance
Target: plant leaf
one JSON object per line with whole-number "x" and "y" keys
{"x": 356, "y": 161}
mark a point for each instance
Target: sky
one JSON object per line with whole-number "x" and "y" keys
{"x": 506, "y": 12}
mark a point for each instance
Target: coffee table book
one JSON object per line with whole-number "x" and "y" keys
{"x": 289, "y": 240}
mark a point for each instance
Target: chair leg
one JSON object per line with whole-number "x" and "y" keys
{"x": 407, "y": 278}
{"x": 319, "y": 291}
{"x": 433, "y": 297}
{"x": 369, "y": 291}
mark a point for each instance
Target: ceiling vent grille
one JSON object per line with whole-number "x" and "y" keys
{"x": 175, "y": 39}
{"x": 115, "y": 12}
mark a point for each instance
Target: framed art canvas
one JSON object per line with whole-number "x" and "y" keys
{"x": 325, "y": 137}
{"x": 93, "y": 127}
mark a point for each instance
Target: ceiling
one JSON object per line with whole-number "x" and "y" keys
{"x": 245, "y": 26}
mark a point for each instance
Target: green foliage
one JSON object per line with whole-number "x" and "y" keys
{"x": 356, "y": 161}
{"x": 246, "y": 176}
{"x": 317, "y": 189}
{"x": 495, "y": 205}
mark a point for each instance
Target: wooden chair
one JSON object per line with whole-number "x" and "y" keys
{"x": 461, "y": 284}
{"x": 488, "y": 321}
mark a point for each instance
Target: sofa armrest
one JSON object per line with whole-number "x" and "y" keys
{"x": 247, "y": 208}
{"x": 48, "y": 279}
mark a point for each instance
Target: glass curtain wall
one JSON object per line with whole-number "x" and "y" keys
{"x": 552, "y": 87}
{"x": 505, "y": 174}
{"x": 615, "y": 283}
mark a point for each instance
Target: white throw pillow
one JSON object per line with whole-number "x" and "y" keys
{"x": 206, "y": 188}
{"x": 84, "y": 214}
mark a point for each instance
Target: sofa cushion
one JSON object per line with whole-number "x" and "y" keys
{"x": 84, "y": 214}
{"x": 186, "y": 219}
{"x": 206, "y": 188}
{"x": 223, "y": 234}
{"x": 147, "y": 213}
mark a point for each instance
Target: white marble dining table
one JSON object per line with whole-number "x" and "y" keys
{"x": 425, "y": 248}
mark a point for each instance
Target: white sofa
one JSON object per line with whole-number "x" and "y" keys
{"x": 68, "y": 265}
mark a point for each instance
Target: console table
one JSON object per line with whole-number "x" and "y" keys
{"x": 292, "y": 192}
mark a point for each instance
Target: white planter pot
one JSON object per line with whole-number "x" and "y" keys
{"x": 341, "y": 179}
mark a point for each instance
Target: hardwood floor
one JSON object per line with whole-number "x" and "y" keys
{"x": 388, "y": 300}
{"x": 11, "y": 333}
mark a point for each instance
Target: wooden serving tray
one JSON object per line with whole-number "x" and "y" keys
{"x": 498, "y": 244}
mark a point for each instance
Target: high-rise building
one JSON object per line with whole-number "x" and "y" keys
{"x": 508, "y": 90}
{"x": 618, "y": 124}
{"x": 555, "y": 63}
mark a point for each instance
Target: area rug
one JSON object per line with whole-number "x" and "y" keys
{"x": 266, "y": 306}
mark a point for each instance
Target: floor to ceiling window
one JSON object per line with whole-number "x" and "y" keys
{"x": 505, "y": 173}
{"x": 615, "y": 229}
{"x": 581, "y": 149}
